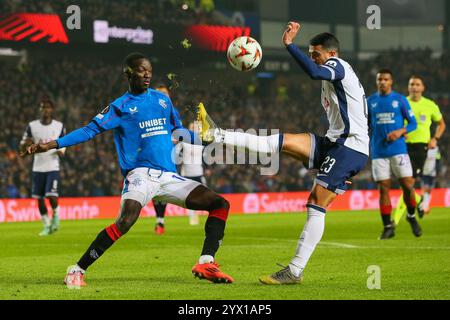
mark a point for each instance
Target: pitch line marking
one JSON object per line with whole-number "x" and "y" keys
{"x": 348, "y": 246}
{"x": 339, "y": 244}
{"x": 335, "y": 244}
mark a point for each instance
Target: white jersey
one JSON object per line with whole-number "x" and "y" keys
{"x": 192, "y": 159}
{"x": 344, "y": 101}
{"x": 39, "y": 133}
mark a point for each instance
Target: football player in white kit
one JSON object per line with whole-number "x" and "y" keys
{"x": 338, "y": 156}
{"x": 45, "y": 173}
{"x": 192, "y": 167}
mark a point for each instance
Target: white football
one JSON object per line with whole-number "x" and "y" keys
{"x": 244, "y": 53}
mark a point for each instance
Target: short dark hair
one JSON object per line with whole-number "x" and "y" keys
{"x": 385, "y": 71}
{"x": 129, "y": 60}
{"x": 415, "y": 76}
{"x": 326, "y": 40}
{"x": 46, "y": 99}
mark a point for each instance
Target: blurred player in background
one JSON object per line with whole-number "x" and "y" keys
{"x": 388, "y": 111}
{"x": 429, "y": 174}
{"x": 45, "y": 172}
{"x": 160, "y": 206}
{"x": 338, "y": 156}
{"x": 145, "y": 123}
{"x": 420, "y": 142}
{"x": 192, "y": 167}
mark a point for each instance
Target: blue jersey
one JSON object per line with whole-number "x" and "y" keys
{"x": 386, "y": 114}
{"x": 143, "y": 126}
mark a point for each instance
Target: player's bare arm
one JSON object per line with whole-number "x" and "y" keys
{"x": 437, "y": 135}
{"x": 39, "y": 147}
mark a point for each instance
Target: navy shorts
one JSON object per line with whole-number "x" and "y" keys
{"x": 336, "y": 163}
{"x": 45, "y": 184}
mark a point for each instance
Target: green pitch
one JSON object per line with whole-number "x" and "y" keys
{"x": 145, "y": 266}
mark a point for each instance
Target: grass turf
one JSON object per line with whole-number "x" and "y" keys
{"x": 143, "y": 265}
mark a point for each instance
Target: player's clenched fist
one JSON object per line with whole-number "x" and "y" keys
{"x": 291, "y": 32}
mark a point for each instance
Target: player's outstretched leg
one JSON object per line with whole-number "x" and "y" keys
{"x": 210, "y": 132}
{"x": 202, "y": 198}
{"x": 105, "y": 239}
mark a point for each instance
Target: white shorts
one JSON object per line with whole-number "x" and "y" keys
{"x": 399, "y": 165}
{"x": 144, "y": 184}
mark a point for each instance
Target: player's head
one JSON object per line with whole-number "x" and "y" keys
{"x": 138, "y": 69}
{"x": 416, "y": 86}
{"x": 384, "y": 81}
{"x": 46, "y": 107}
{"x": 323, "y": 47}
{"x": 161, "y": 87}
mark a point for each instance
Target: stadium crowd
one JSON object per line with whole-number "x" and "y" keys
{"x": 291, "y": 104}
{"x": 118, "y": 11}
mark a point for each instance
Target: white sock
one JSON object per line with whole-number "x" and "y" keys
{"x": 426, "y": 201}
{"x": 310, "y": 237}
{"x": 251, "y": 142}
{"x": 45, "y": 220}
{"x": 191, "y": 213}
{"x": 56, "y": 211}
{"x": 206, "y": 259}
{"x": 160, "y": 220}
{"x": 78, "y": 268}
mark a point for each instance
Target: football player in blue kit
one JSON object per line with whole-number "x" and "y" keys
{"x": 144, "y": 122}
{"x": 388, "y": 110}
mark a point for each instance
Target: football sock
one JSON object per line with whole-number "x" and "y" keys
{"x": 214, "y": 231}
{"x": 104, "y": 240}
{"x": 45, "y": 220}
{"x": 206, "y": 259}
{"x": 385, "y": 211}
{"x": 160, "y": 209}
{"x": 254, "y": 143}
{"x": 309, "y": 238}
{"x": 56, "y": 211}
{"x": 411, "y": 206}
